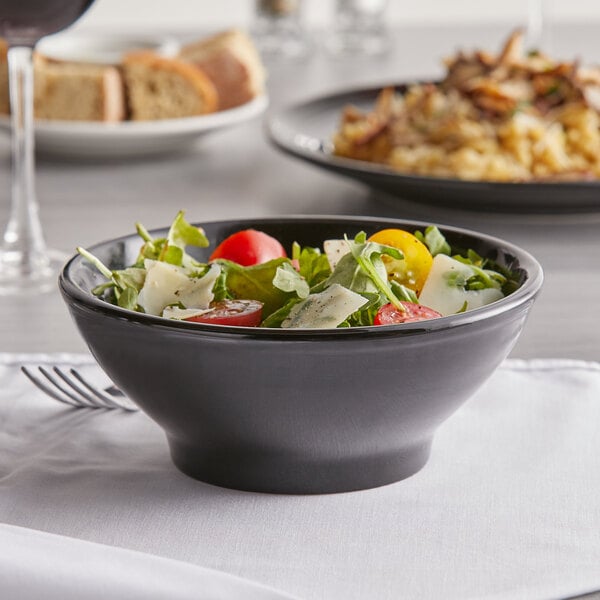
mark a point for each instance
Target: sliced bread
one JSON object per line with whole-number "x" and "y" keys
{"x": 166, "y": 88}
{"x": 77, "y": 91}
{"x": 232, "y": 63}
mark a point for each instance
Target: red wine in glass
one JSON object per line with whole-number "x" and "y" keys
{"x": 27, "y": 266}
{"x": 24, "y": 22}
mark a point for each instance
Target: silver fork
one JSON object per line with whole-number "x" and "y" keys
{"x": 70, "y": 387}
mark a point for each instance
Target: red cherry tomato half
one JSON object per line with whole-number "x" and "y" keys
{"x": 388, "y": 314}
{"x": 249, "y": 247}
{"x": 244, "y": 313}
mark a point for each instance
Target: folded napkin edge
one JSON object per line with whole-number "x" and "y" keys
{"x": 140, "y": 560}
{"x": 549, "y": 364}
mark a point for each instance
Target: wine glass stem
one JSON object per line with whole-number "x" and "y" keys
{"x": 24, "y": 247}
{"x": 536, "y": 24}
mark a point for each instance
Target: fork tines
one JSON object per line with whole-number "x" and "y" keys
{"x": 71, "y": 388}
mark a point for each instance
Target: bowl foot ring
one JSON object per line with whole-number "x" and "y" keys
{"x": 254, "y": 471}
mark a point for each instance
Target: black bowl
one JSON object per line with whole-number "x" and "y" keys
{"x": 300, "y": 411}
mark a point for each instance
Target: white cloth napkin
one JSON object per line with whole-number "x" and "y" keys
{"x": 507, "y": 508}
{"x": 35, "y": 565}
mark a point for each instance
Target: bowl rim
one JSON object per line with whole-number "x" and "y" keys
{"x": 528, "y": 290}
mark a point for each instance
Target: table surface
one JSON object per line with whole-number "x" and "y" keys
{"x": 236, "y": 173}
{"x": 507, "y": 507}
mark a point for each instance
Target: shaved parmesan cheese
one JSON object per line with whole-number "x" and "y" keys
{"x": 174, "y": 312}
{"x": 326, "y": 309}
{"x": 442, "y": 293}
{"x": 334, "y": 250}
{"x": 168, "y": 284}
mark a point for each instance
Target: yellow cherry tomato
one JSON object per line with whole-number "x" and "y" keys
{"x": 412, "y": 270}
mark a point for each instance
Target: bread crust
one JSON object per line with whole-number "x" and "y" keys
{"x": 232, "y": 63}
{"x": 4, "y": 96}
{"x": 145, "y": 63}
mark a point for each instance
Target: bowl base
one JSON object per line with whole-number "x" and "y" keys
{"x": 279, "y": 474}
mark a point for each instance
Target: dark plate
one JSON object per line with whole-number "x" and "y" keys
{"x": 305, "y": 130}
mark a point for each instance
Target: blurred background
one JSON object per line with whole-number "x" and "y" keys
{"x": 188, "y": 14}
{"x": 566, "y": 29}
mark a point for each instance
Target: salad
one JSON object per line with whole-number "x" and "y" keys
{"x": 393, "y": 276}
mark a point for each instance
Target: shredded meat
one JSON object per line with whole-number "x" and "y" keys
{"x": 510, "y": 116}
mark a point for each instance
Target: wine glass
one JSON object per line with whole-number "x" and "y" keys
{"x": 27, "y": 266}
{"x": 278, "y": 29}
{"x": 537, "y": 26}
{"x": 359, "y": 28}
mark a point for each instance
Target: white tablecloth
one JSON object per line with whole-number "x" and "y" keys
{"x": 508, "y": 506}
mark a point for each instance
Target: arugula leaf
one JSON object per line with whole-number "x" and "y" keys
{"x": 287, "y": 279}
{"x": 349, "y": 274}
{"x": 509, "y": 280}
{"x": 127, "y": 298}
{"x": 312, "y": 264}
{"x": 276, "y": 318}
{"x": 474, "y": 258}
{"x": 366, "y": 314}
{"x": 96, "y": 262}
{"x": 512, "y": 283}
{"x": 132, "y": 277}
{"x": 485, "y": 278}
{"x": 100, "y": 289}
{"x": 434, "y": 239}
{"x": 482, "y": 278}
{"x": 126, "y": 283}
{"x": 220, "y": 290}
{"x": 403, "y": 292}
{"x": 368, "y": 257}
{"x": 182, "y": 234}
{"x": 363, "y": 271}
{"x": 152, "y": 247}
{"x": 143, "y": 232}
{"x": 463, "y": 308}
{"x": 172, "y": 248}
{"x": 172, "y": 255}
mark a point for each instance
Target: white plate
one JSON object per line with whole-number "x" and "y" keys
{"x": 103, "y": 48}
{"x": 85, "y": 139}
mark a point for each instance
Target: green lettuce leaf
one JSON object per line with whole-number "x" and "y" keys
{"x": 182, "y": 234}
{"x": 363, "y": 271}
{"x": 404, "y": 293}
{"x": 172, "y": 249}
{"x": 276, "y": 318}
{"x": 312, "y": 264}
{"x": 434, "y": 239}
{"x": 255, "y": 283}
{"x": 366, "y": 314}
{"x": 287, "y": 279}
{"x": 482, "y": 277}
{"x": 127, "y": 298}
{"x": 125, "y": 283}
{"x": 220, "y": 290}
